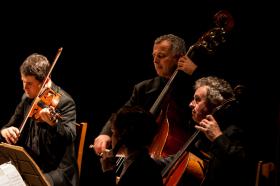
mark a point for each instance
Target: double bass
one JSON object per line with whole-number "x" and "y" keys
{"x": 170, "y": 138}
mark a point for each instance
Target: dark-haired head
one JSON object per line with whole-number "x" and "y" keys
{"x": 134, "y": 127}
{"x": 35, "y": 65}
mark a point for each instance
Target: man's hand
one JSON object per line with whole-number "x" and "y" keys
{"x": 11, "y": 134}
{"x": 101, "y": 143}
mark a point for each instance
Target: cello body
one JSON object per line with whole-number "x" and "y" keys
{"x": 191, "y": 167}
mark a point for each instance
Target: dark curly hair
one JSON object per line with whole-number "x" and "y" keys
{"x": 135, "y": 126}
{"x": 35, "y": 65}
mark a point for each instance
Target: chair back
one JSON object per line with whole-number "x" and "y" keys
{"x": 81, "y": 130}
{"x": 265, "y": 175}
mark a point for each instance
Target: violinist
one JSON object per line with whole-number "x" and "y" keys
{"x": 133, "y": 130}
{"x": 221, "y": 142}
{"x": 48, "y": 137}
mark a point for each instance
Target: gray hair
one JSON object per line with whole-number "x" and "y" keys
{"x": 218, "y": 90}
{"x": 178, "y": 45}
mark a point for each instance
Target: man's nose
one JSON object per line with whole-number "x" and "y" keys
{"x": 156, "y": 59}
{"x": 191, "y": 105}
{"x": 25, "y": 86}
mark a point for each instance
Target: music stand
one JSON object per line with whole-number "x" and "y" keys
{"x": 27, "y": 167}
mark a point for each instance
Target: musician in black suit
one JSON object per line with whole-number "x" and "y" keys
{"x": 222, "y": 141}
{"x": 50, "y": 130}
{"x": 133, "y": 130}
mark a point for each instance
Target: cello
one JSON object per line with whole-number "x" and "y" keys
{"x": 168, "y": 141}
{"x": 184, "y": 159}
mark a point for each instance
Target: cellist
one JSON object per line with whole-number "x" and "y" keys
{"x": 222, "y": 143}
{"x": 48, "y": 138}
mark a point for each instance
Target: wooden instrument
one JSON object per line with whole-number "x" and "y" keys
{"x": 184, "y": 160}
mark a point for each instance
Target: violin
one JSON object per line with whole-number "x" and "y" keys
{"x": 48, "y": 99}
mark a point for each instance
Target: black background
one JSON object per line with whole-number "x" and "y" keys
{"x": 107, "y": 48}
